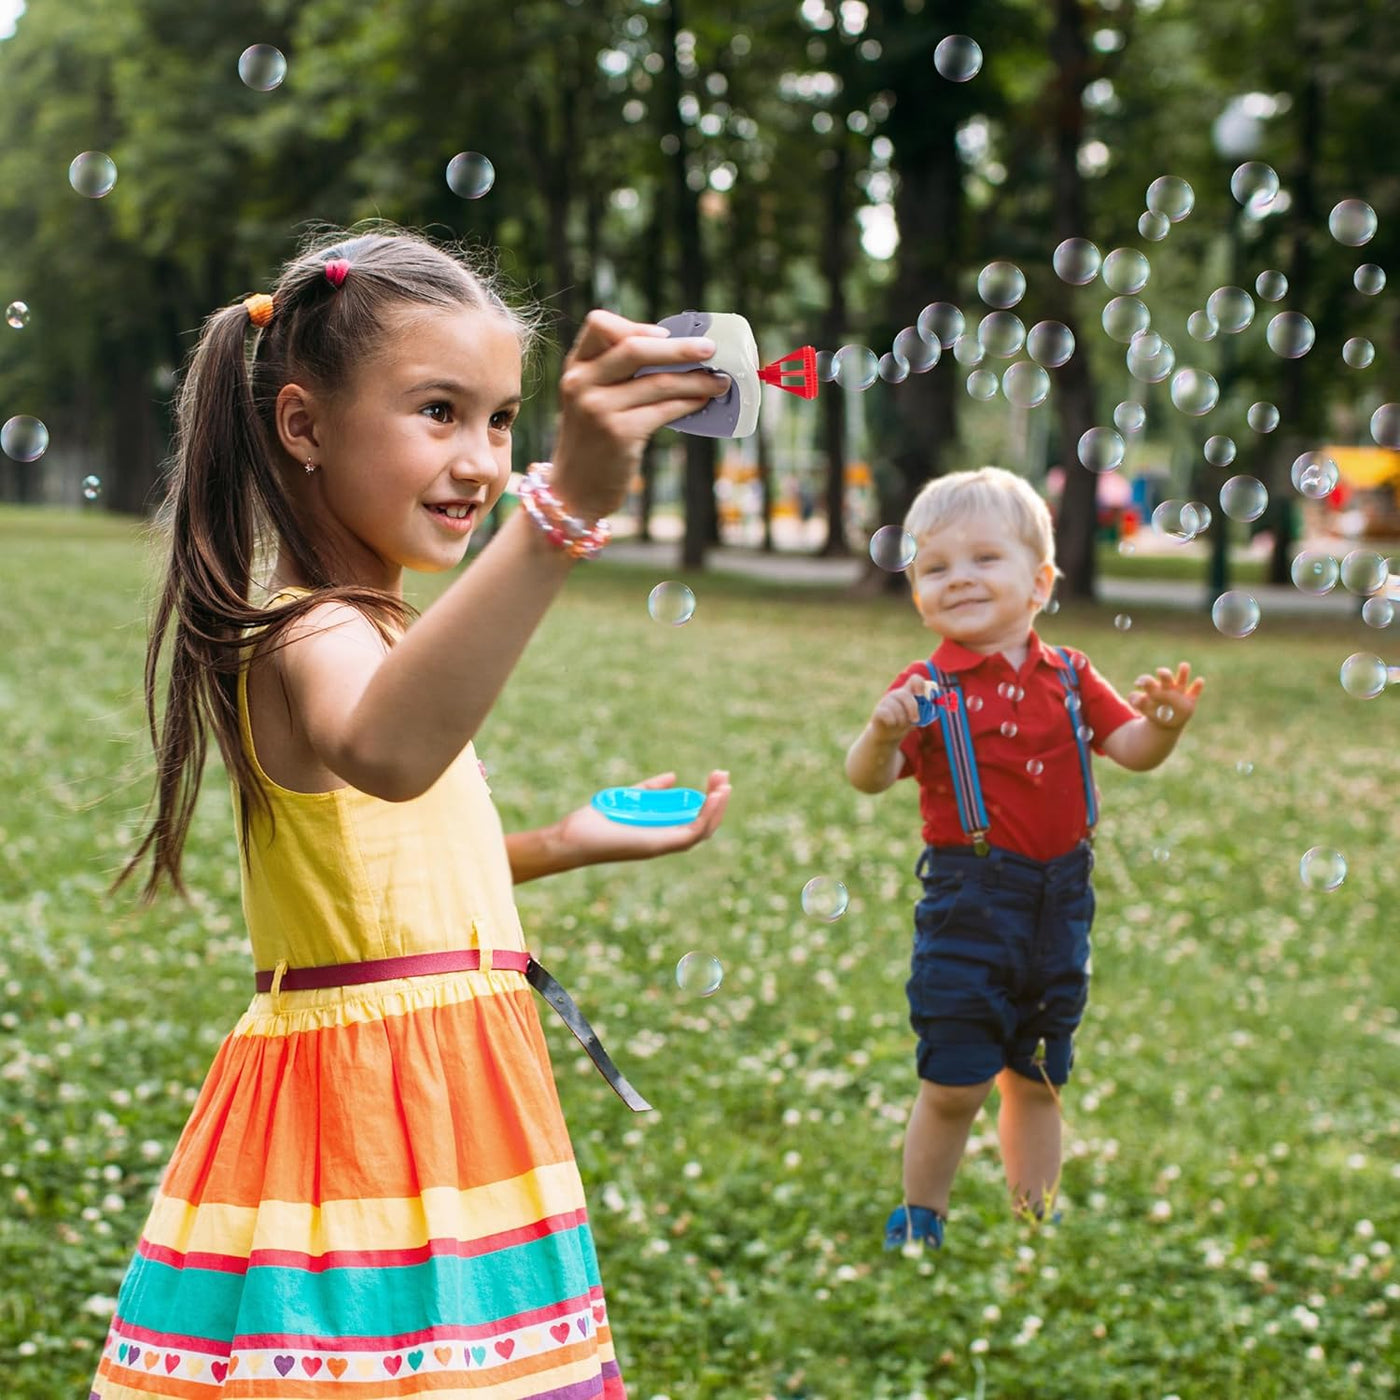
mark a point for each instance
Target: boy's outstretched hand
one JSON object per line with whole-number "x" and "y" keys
{"x": 1168, "y": 700}
{"x": 587, "y": 837}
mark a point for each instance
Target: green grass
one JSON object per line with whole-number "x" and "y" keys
{"x": 1231, "y": 1188}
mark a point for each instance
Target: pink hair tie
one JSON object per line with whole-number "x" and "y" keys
{"x": 336, "y": 270}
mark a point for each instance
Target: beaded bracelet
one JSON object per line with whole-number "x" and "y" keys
{"x": 567, "y": 532}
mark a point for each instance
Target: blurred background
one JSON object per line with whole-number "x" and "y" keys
{"x": 819, "y": 166}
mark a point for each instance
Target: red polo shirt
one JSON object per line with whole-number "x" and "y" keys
{"x": 1039, "y": 809}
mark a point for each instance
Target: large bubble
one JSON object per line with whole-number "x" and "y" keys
{"x": 1353, "y": 222}
{"x": 1150, "y": 357}
{"x": 1290, "y": 334}
{"x": 1232, "y": 309}
{"x": 1171, "y": 196}
{"x": 470, "y": 175}
{"x": 1364, "y": 572}
{"x": 1001, "y": 333}
{"x": 262, "y": 67}
{"x": 982, "y": 385}
{"x": 920, "y": 353}
{"x": 1123, "y": 317}
{"x": 1385, "y": 425}
{"x": 1369, "y": 279}
{"x": 93, "y": 173}
{"x": 1125, "y": 270}
{"x": 967, "y": 349}
{"x": 671, "y": 602}
{"x": 1176, "y": 520}
{"x": 699, "y": 974}
{"x": 1322, "y": 869}
{"x": 1314, "y": 571}
{"x": 893, "y": 548}
{"x": 1201, "y": 325}
{"x": 1001, "y": 284}
{"x": 1244, "y": 498}
{"x": 1254, "y": 185}
{"x": 1050, "y": 343}
{"x": 1025, "y": 384}
{"x": 1363, "y": 675}
{"x": 1358, "y": 352}
{"x": 1129, "y": 416}
{"x": 24, "y": 439}
{"x": 1077, "y": 261}
{"x": 1101, "y": 449}
{"x": 857, "y": 366}
{"x": 1235, "y": 614}
{"x": 1314, "y": 474}
{"x": 1153, "y": 227}
{"x": 893, "y": 369}
{"x": 825, "y": 898}
{"x": 941, "y": 321}
{"x": 1271, "y": 285}
{"x": 1262, "y": 417}
{"x": 1219, "y": 450}
{"x": 958, "y": 58}
{"x": 1194, "y": 391}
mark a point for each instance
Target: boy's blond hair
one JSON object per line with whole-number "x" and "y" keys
{"x": 994, "y": 491}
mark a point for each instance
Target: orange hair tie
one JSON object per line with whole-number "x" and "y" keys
{"x": 259, "y": 308}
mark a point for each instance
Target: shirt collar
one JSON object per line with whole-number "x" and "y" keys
{"x": 953, "y": 657}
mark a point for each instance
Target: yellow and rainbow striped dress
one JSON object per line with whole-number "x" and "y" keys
{"x": 375, "y": 1194}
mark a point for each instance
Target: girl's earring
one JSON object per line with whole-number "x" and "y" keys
{"x": 310, "y": 465}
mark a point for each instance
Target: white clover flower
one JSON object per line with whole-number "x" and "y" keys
{"x": 1161, "y": 1210}
{"x": 1365, "y": 1229}
{"x": 980, "y": 1346}
{"x": 991, "y": 1313}
{"x": 1305, "y": 1318}
{"x": 691, "y": 1170}
{"x": 1315, "y": 1353}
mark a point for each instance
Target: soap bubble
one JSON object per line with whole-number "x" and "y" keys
{"x": 1149, "y": 357}
{"x": 893, "y": 548}
{"x": 470, "y": 175}
{"x": 1123, "y": 622}
{"x": 93, "y": 173}
{"x": 894, "y": 369}
{"x": 1034, "y": 767}
{"x": 1244, "y": 498}
{"x": 1196, "y": 516}
{"x": 1194, "y": 391}
{"x": 1009, "y": 729}
{"x": 1077, "y": 261}
{"x": 1153, "y": 227}
{"x": 1235, "y": 614}
{"x": 1314, "y": 474}
{"x": 699, "y": 974}
{"x": 919, "y": 353}
{"x": 967, "y": 350}
{"x": 1369, "y": 278}
{"x": 1262, "y": 417}
{"x": 1358, "y": 352}
{"x": 1271, "y": 285}
{"x": 1385, "y": 425}
{"x": 857, "y": 367}
{"x": 1321, "y": 869}
{"x": 1127, "y": 546}
{"x": 1290, "y": 334}
{"x": 1201, "y": 325}
{"x": 1050, "y": 343}
{"x": 1314, "y": 572}
{"x": 1001, "y": 284}
{"x": 958, "y": 58}
{"x": 1220, "y": 450}
{"x": 1126, "y": 270}
{"x": 1001, "y": 333}
{"x": 92, "y": 487}
{"x": 1353, "y": 222}
{"x": 941, "y": 321}
{"x": 671, "y": 602}
{"x": 826, "y": 366}
{"x": 1378, "y": 612}
{"x": 1232, "y": 309}
{"x": 1101, "y": 449}
{"x": 1176, "y": 520}
{"x": 1123, "y": 317}
{"x": 24, "y": 439}
{"x": 1170, "y": 196}
{"x": 1025, "y": 384}
{"x": 1243, "y": 767}
{"x": 1129, "y": 416}
{"x": 262, "y": 67}
{"x": 1254, "y": 185}
{"x": 1363, "y": 675}
{"x": 17, "y": 315}
{"x": 982, "y": 385}
{"x": 825, "y": 898}
{"x": 1364, "y": 572}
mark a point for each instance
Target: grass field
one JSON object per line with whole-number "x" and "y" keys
{"x": 1231, "y": 1191}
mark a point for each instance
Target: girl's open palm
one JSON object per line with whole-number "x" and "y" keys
{"x": 590, "y": 838}
{"x": 1168, "y": 699}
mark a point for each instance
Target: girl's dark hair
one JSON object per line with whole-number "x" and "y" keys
{"x": 228, "y": 506}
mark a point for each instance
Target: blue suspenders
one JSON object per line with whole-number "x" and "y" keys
{"x": 949, "y": 708}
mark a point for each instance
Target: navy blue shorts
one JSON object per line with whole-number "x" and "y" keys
{"x": 1001, "y": 962}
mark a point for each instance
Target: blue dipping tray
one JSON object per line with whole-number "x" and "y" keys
{"x": 649, "y": 806}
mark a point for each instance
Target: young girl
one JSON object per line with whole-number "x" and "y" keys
{"x": 375, "y": 1190}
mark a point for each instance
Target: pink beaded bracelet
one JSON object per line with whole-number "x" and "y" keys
{"x": 567, "y": 532}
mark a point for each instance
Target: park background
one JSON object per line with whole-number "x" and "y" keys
{"x": 1231, "y": 1184}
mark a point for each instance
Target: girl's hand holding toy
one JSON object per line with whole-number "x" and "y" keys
{"x": 588, "y": 836}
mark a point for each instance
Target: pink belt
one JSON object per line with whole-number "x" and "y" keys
{"x": 303, "y": 979}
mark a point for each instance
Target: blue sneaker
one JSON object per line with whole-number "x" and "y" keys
{"x": 913, "y": 1224}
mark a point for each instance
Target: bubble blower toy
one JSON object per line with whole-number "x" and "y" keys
{"x": 734, "y": 413}
{"x": 635, "y": 806}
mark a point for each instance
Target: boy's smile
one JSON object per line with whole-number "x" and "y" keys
{"x": 977, "y": 585}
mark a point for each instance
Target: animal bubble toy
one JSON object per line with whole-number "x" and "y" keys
{"x": 734, "y": 413}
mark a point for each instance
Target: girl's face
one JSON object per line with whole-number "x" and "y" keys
{"x": 424, "y": 424}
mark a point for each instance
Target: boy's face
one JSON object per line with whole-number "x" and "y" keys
{"x": 975, "y": 583}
